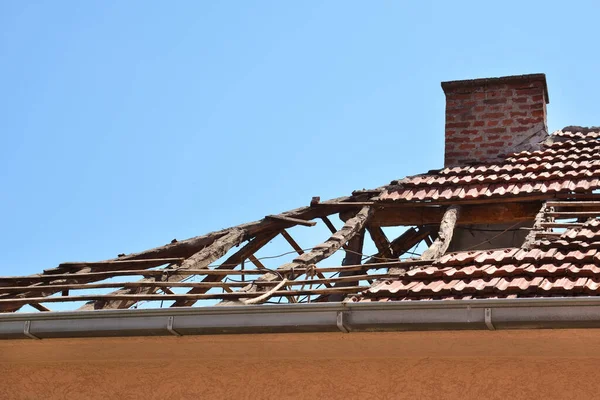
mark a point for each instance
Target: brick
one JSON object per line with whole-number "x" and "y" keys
{"x": 495, "y": 130}
{"x": 482, "y": 123}
{"x": 528, "y": 92}
{"x": 527, "y": 121}
{"x": 466, "y": 117}
{"x": 492, "y": 144}
{"x": 458, "y": 125}
{"x": 458, "y": 139}
{"x": 457, "y": 154}
{"x": 516, "y": 129}
{"x": 537, "y": 113}
{"x": 492, "y": 115}
{"x": 496, "y": 101}
{"x": 518, "y": 114}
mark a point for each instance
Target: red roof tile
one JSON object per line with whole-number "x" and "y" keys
{"x": 562, "y": 166}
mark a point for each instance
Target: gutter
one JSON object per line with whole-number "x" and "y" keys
{"x": 538, "y": 313}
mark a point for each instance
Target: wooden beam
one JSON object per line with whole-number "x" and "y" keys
{"x": 561, "y": 224}
{"x": 292, "y": 242}
{"x": 472, "y": 214}
{"x": 573, "y": 214}
{"x": 134, "y": 298}
{"x": 540, "y": 217}
{"x": 352, "y": 227}
{"x": 293, "y": 221}
{"x": 440, "y": 245}
{"x": 256, "y": 262}
{"x": 199, "y": 260}
{"x": 576, "y": 203}
{"x": 39, "y": 307}
{"x": 329, "y": 224}
{"x": 403, "y": 243}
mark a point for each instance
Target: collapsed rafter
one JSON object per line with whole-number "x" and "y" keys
{"x": 168, "y": 267}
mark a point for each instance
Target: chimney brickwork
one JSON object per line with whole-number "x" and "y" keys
{"x": 489, "y": 118}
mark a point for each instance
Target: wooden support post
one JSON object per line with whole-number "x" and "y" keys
{"x": 440, "y": 245}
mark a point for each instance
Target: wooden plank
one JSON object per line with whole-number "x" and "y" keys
{"x": 294, "y": 221}
{"x": 199, "y": 260}
{"x": 218, "y": 273}
{"x": 473, "y": 214}
{"x": 548, "y": 234}
{"x": 164, "y": 286}
{"x": 292, "y": 242}
{"x": 572, "y": 214}
{"x": 134, "y": 298}
{"x": 561, "y": 224}
{"x": 185, "y": 248}
{"x": 577, "y": 203}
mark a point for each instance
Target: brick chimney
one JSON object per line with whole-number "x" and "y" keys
{"x": 489, "y": 118}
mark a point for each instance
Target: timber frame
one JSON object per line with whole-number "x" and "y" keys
{"x": 166, "y": 271}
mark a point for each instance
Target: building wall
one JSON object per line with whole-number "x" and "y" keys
{"x": 391, "y": 365}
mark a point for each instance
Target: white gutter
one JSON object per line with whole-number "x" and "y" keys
{"x": 569, "y": 312}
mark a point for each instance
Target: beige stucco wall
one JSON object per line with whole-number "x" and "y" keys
{"x": 441, "y": 365}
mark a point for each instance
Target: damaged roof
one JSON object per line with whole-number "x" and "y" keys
{"x": 560, "y": 258}
{"x": 532, "y": 212}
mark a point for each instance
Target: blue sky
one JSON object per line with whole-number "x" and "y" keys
{"x": 127, "y": 124}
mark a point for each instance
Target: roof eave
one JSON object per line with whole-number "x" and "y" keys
{"x": 571, "y": 312}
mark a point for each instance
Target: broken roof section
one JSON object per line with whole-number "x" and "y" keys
{"x": 519, "y": 223}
